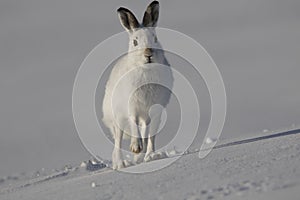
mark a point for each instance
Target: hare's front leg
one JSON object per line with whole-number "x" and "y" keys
{"x": 136, "y": 145}
{"x": 138, "y": 158}
{"x": 117, "y": 158}
{"x": 150, "y": 154}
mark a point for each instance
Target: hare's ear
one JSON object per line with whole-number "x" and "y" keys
{"x": 127, "y": 19}
{"x": 151, "y": 15}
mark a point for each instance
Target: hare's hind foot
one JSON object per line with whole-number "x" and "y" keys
{"x": 139, "y": 158}
{"x": 154, "y": 156}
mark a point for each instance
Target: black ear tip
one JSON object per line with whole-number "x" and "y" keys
{"x": 122, "y": 9}
{"x": 154, "y": 2}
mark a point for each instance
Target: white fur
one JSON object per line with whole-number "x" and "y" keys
{"x": 126, "y": 105}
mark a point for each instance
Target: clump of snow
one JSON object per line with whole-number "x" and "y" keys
{"x": 266, "y": 130}
{"x": 172, "y": 153}
{"x": 210, "y": 140}
{"x": 83, "y": 164}
{"x": 93, "y": 165}
{"x": 37, "y": 174}
{"x": 93, "y": 184}
{"x": 68, "y": 167}
{"x": 186, "y": 152}
{"x": 162, "y": 155}
{"x": 127, "y": 163}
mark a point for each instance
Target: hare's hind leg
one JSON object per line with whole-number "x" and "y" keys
{"x": 117, "y": 158}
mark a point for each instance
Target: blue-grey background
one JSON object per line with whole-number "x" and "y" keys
{"x": 255, "y": 44}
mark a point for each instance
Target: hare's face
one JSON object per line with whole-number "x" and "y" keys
{"x": 142, "y": 44}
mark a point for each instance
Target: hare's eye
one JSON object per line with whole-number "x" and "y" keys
{"x": 135, "y": 43}
{"x": 155, "y": 39}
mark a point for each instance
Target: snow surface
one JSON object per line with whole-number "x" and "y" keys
{"x": 43, "y": 42}
{"x": 263, "y": 167}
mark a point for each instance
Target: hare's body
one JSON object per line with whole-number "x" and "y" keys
{"x": 142, "y": 99}
{"x": 133, "y": 88}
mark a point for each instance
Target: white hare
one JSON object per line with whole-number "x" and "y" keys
{"x": 125, "y": 112}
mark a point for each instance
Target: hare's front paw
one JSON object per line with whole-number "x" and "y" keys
{"x": 136, "y": 146}
{"x": 118, "y": 164}
{"x": 117, "y": 159}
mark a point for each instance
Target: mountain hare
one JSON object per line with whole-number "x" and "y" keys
{"x": 130, "y": 116}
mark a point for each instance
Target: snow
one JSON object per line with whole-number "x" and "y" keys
{"x": 255, "y": 167}
{"x": 93, "y": 184}
{"x": 265, "y": 130}
{"x": 210, "y": 140}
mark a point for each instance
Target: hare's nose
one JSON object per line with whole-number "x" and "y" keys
{"x": 148, "y": 52}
